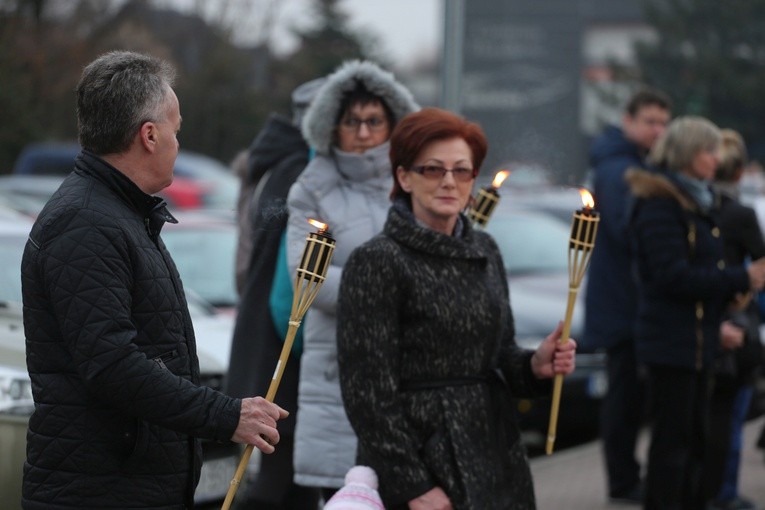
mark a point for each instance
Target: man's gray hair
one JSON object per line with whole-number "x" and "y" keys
{"x": 117, "y": 93}
{"x": 684, "y": 138}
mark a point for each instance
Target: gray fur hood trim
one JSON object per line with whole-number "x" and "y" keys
{"x": 318, "y": 121}
{"x": 646, "y": 184}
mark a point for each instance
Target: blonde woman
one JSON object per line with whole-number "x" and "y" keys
{"x": 684, "y": 287}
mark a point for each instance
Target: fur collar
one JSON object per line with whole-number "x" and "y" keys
{"x": 645, "y": 184}
{"x": 318, "y": 123}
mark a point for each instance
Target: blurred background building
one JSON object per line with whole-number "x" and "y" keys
{"x": 541, "y": 77}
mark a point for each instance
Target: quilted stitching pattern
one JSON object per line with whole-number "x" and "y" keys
{"x": 102, "y": 299}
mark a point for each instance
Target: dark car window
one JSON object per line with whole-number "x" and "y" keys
{"x": 43, "y": 159}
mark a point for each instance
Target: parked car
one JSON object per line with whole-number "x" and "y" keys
{"x": 27, "y": 194}
{"x": 203, "y": 246}
{"x": 534, "y": 247}
{"x": 213, "y": 331}
{"x": 199, "y": 181}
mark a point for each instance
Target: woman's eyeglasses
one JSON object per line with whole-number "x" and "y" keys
{"x": 352, "y": 124}
{"x": 437, "y": 172}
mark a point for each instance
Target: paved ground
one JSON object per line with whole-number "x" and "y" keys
{"x": 573, "y": 479}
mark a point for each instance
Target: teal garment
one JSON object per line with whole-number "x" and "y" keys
{"x": 280, "y": 300}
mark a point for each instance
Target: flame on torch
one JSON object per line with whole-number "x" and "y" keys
{"x": 500, "y": 178}
{"x": 587, "y": 199}
{"x": 316, "y": 223}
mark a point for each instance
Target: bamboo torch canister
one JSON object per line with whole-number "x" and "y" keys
{"x": 311, "y": 273}
{"x": 584, "y": 228}
{"x": 486, "y": 200}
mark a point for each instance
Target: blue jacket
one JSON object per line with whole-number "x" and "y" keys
{"x": 684, "y": 285}
{"x": 611, "y": 295}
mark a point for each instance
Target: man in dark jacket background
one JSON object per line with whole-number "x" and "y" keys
{"x": 611, "y": 299}
{"x": 110, "y": 345}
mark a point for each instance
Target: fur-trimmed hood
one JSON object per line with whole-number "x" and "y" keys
{"x": 318, "y": 123}
{"x": 646, "y": 184}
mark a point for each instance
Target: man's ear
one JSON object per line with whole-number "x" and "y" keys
{"x": 403, "y": 179}
{"x": 148, "y": 135}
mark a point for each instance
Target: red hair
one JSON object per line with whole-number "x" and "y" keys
{"x": 417, "y": 130}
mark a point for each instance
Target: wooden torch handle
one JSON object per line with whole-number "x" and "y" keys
{"x": 272, "y": 388}
{"x": 558, "y": 382}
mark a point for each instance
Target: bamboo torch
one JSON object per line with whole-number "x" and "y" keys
{"x": 584, "y": 227}
{"x": 311, "y": 273}
{"x": 486, "y": 200}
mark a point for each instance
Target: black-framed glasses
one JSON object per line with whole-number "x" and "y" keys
{"x": 353, "y": 124}
{"x": 459, "y": 173}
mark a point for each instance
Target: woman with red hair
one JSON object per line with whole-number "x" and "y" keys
{"x": 426, "y": 349}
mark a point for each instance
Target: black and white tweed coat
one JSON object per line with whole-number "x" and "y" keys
{"x": 423, "y": 318}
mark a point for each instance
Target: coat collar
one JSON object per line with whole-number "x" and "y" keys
{"x": 152, "y": 208}
{"x": 662, "y": 184}
{"x": 403, "y": 228}
{"x": 371, "y": 164}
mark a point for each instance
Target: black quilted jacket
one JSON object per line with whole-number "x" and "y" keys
{"x": 111, "y": 354}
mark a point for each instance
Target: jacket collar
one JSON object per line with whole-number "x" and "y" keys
{"x": 371, "y": 164}
{"x": 662, "y": 184}
{"x": 402, "y": 227}
{"x": 152, "y": 208}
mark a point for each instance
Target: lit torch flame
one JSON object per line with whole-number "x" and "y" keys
{"x": 500, "y": 178}
{"x": 587, "y": 199}
{"x": 321, "y": 226}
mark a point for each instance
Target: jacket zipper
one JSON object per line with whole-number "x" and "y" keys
{"x": 161, "y": 360}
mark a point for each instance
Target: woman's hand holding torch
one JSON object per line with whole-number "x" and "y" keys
{"x": 554, "y": 356}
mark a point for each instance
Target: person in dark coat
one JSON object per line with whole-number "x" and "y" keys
{"x": 684, "y": 287}
{"x": 740, "y": 351}
{"x": 426, "y": 350}
{"x": 277, "y": 155}
{"x": 109, "y": 340}
{"x": 611, "y": 297}
{"x": 278, "y": 148}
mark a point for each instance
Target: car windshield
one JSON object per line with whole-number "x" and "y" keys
{"x": 11, "y": 249}
{"x": 205, "y": 261}
{"x": 530, "y": 242}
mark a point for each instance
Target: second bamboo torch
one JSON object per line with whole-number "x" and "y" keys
{"x": 486, "y": 200}
{"x": 317, "y": 254}
{"x": 584, "y": 227}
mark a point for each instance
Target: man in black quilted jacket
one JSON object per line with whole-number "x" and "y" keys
{"x": 110, "y": 345}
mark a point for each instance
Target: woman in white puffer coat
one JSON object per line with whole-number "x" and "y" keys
{"x": 346, "y": 186}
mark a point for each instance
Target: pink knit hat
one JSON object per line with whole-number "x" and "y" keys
{"x": 359, "y": 492}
